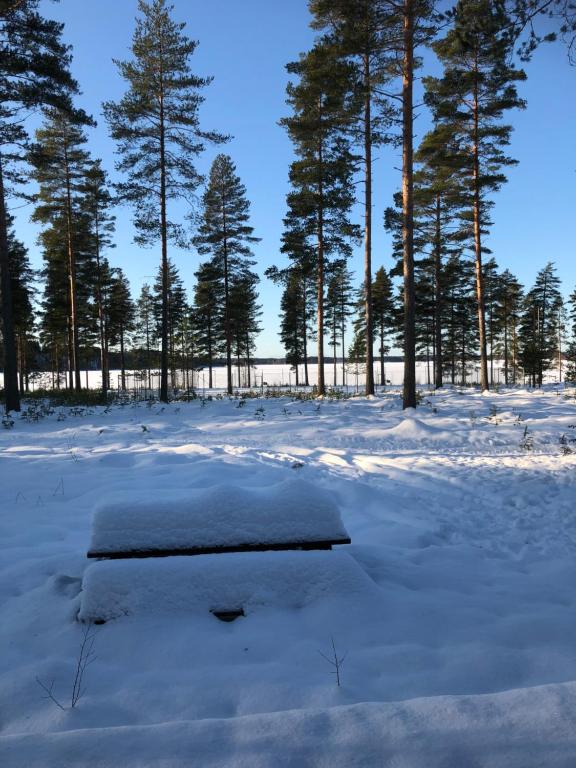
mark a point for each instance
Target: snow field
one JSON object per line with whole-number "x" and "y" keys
{"x": 460, "y": 646}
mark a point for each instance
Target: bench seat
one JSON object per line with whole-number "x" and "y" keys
{"x": 290, "y": 515}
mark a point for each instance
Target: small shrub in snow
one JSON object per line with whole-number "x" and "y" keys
{"x": 85, "y": 657}
{"x": 7, "y": 421}
{"x": 494, "y": 418}
{"x": 527, "y": 442}
{"x": 260, "y": 413}
{"x": 334, "y": 661}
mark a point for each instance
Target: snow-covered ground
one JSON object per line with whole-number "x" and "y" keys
{"x": 459, "y": 645}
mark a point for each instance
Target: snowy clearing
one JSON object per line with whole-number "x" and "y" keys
{"x": 459, "y": 632}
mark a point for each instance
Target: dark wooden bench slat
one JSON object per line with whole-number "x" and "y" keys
{"x": 215, "y": 550}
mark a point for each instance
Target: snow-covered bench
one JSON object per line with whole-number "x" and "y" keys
{"x": 139, "y": 542}
{"x": 228, "y": 586}
{"x": 288, "y": 515}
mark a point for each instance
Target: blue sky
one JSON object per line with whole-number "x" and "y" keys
{"x": 245, "y": 46}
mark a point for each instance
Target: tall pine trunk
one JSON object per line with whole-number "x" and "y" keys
{"x": 11, "y": 393}
{"x": 320, "y": 281}
{"x": 101, "y": 319}
{"x": 484, "y": 385}
{"x": 409, "y": 390}
{"x": 227, "y": 325}
{"x": 438, "y": 362}
{"x": 382, "y": 348}
{"x": 73, "y": 294}
{"x": 305, "y": 336}
{"x": 122, "y": 360}
{"x": 368, "y": 229}
{"x": 164, "y": 238}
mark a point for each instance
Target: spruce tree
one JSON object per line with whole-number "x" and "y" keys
{"x": 225, "y": 234}
{"x": 244, "y": 314}
{"x": 34, "y": 71}
{"x": 22, "y": 292}
{"x": 571, "y": 349}
{"x": 176, "y": 308}
{"x": 469, "y": 101}
{"x": 121, "y": 315}
{"x": 208, "y": 305}
{"x": 539, "y": 325}
{"x": 302, "y": 255}
{"x": 508, "y": 317}
{"x": 384, "y": 314}
{"x": 339, "y": 301}
{"x": 145, "y": 330}
{"x": 157, "y": 128}
{"x": 296, "y": 305}
{"x": 292, "y": 327}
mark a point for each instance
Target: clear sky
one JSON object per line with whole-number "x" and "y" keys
{"x": 245, "y": 44}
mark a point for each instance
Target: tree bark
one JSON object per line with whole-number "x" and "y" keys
{"x": 11, "y": 394}
{"x": 368, "y": 229}
{"x": 409, "y": 390}
{"x": 75, "y": 343}
{"x": 227, "y": 327}
{"x": 438, "y": 362}
{"x": 320, "y": 279}
{"x": 484, "y": 385}
{"x": 164, "y": 238}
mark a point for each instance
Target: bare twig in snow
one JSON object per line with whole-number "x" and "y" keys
{"x": 336, "y": 661}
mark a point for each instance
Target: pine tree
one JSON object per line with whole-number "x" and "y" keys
{"x": 60, "y": 165}
{"x": 225, "y": 234}
{"x": 156, "y": 125}
{"x": 359, "y": 32}
{"x": 478, "y": 86}
{"x": 321, "y": 178}
{"x": 539, "y": 325}
{"x": 97, "y": 202}
{"x": 34, "y": 71}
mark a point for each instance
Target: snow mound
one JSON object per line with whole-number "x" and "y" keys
{"x": 224, "y": 515}
{"x": 415, "y": 429}
{"x": 504, "y": 730}
{"x": 114, "y": 588}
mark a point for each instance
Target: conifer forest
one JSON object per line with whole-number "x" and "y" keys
{"x": 438, "y": 295}
{"x": 287, "y": 384}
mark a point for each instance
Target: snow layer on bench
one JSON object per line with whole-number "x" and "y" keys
{"x": 223, "y": 515}
{"x": 114, "y": 588}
